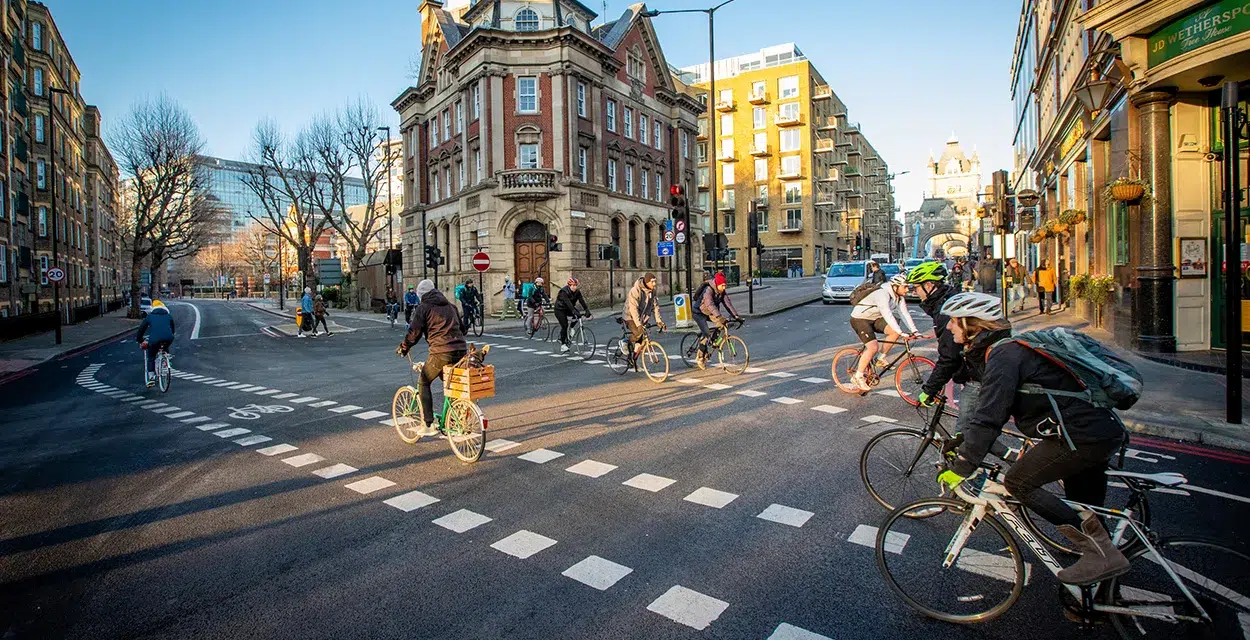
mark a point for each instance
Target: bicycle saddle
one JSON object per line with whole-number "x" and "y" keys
{"x": 1165, "y": 479}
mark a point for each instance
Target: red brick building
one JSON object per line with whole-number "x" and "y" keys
{"x": 525, "y": 122}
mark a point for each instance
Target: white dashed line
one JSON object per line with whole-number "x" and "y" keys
{"x": 230, "y": 433}
{"x": 251, "y": 440}
{"x": 648, "y": 482}
{"x": 180, "y": 415}
{"x": 716, "y": 386}
{"x": 344, "y": 408}
{"x": 167, "y": 410}
{"x": 523, "y": 544}
{"x": 597, "y": 572}
{"x": 688, "y": 607}
{"x": 371, "y": 415}
{"x": 369, "y": 485}
{"x": 303, "y": 400}
{"x": 786, "y": 400}
{"x": 215, "y": 425}
{"x": 335, "y": 470}
{"x": 866, "y": 535}
{"x": 690, "y": 380}
{"x": 785, "y": 515}
{"x": 828, "y": 408}
{"x": 266, "y": 392}
{"x": 786, "y": 631}
{"x": 814, "y": 380}
{"x": 591, "y": 468}
{"x": 461, "y": 521}
{"x": 750, "y": 393}
{"x": 410, "y": 501}
{"x": 324, "y": 403}
{"x": 754, "y": 370}
{"x": 780, "y": 374}
{"x": 196, "y": 420}
{"x": 540, "y": 456}
{"x": 303, "y": 460}
{"x": 891, "y": 393}
{"x": 711, "y": 497}
{"x": 276, "y": 449}
{"x": 499, "y": 445}
{"x": 873, "y": 419}
{"x": 284, "y": 396}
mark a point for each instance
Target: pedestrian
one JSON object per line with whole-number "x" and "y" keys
{"x": 1015, "y": 278}
{"x": 319, "y": 316}
{"x": 875, "y": 274}
{"x": 306, "y": 310}
{"x": 509, "y": 293}
{"x": 1044, "y": 280}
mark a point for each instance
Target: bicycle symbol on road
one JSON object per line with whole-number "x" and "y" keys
{"x": 254, "y": 411}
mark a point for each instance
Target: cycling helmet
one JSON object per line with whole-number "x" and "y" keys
{"x": 926, "y": 272}
{"x": 538, "y": 280}
{"x": 899, "y": 280}
{"x": 572, "y": 281}
{"x": 157, "y": 304}
{"x": 974, "y": 305}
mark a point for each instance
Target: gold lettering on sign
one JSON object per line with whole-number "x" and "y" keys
{"x": 1074, "y": 136}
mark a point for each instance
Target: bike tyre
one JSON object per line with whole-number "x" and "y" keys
{"x": 738, "y": 358}
{"x": 617, "y": 361}
{"x": 910, "y": 377}
{"x": 923, "y": 474}
{"x": 584, "y": 345}
{"x": 653, "y": 359}
{"x": 406, "y": 414}
{"x": 479, "y": 324}
{"x": 465, "y": 428}
{"x": 689, "y": 349}
{"x": 163, "y": 372}
{"x": 844, "y": 363}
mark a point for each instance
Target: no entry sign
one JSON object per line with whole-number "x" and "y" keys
{"x": 481, "y": 261}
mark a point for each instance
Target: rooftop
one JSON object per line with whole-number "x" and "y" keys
{"x": 729, "y": 67}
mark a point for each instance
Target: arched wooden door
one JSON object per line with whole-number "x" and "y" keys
{"x": 530, "y": 249}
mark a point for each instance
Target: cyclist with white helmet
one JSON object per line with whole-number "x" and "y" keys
{"x": 566, "y": 303}
{"x": 879, "y": 312}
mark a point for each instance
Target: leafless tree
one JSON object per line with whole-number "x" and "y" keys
{"x": 205, "y": 222}
{"x": 157, "y": 146}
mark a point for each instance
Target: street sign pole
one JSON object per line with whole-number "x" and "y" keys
{"x": 481, "y": 262}
{"x": 1233, "y": 121}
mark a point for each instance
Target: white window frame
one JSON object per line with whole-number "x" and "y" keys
{"x": 659, "y": 136}
{"x": 460, "y": 173}
{"x": 659, "y": 187}
{"x": 581, "y": 99}
{"x": 36, "y": 36}
{"x": 759, "y": 87}
{"x": 583, "y": 169}
{"x": 629, "y": 179}
{"x": 726, "y": 148}
{"x": 447, "y": 187}
{"x": 612, "y": 174}
{"x": 788, "y": 110}
{"x": 642, "y": 128}
{"x": 434, "y": 191}
{"x": 477, "y": 162}
{"x": 39, "y": 131}
{"x": 797, "y": 139}
{"x": 789, "y": 188}
{"x": 41, "y": 174}
{"x": 727, "y": 177}
{"x": 447, "y": 124}
{"x": 782, "y": 92}
{"x": 459, "y": 117}
{"x": 433, "y": 127}
{"x": 628, "y": 118}
{"x": 685, "y": 144}
{"x": 759, "y": 117}
{"x": 38, "y": 81}
{"x": 521, "y": 161}
{"x": 612, "y": 116}
{"x": 477, "y": 101}
{"x": 521, "y": 83}
{"x": 43, "y": 269}
{"x": 795, "y": 160}
{"x": 761, "y": 163}
{"x": 516, "y": 20}
{"x": 4, "y": 263}
{"x": 644, "y": 183}
{"x": 760, "y": 140}
{"x": 726, "y": 130}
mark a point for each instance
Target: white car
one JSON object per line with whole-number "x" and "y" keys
{"x": 145, "y": 305}
{"x": 841, "y": 280}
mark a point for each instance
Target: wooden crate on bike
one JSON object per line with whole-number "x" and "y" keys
{"x": 469, "y": 384}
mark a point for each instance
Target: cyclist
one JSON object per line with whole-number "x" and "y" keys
{"x": 435, "y": 319}
{"x": 929, "y": 281}
{"x": 1076, "y": 439}
{"x": 411, "y": 300}
{"x": 879, "y": 312}
{"x": 159, "y": 327}
{"x": 535, "y": 298}
{"x": 392, "y": 303}
{"x": 640, "y": 307}
{"x": 566, "y": 303}
{"x": 708, "y": 301}
{"x": 470, "y": 301}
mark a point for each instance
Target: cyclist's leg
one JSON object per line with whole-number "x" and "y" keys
{"x": 705, "y": 337}
{"x": 563, "y": 319}
{"x": 1051, "y": 460}
{"x": 635, "y": 337}
{"x": 153, "y": 349}
{"x": 433, "y": 370}
{"x": 890, "y": 335}
{"x": 868, "y": 336}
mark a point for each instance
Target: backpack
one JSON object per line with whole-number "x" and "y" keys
{"x": 698, "y": 297}
{"x": 863, "y": 291}
{"x": 1109, "y": 381}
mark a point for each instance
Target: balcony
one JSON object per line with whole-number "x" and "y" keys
{"x": 852, "y": 128}
{"x": 726, "y": 205}
{"x": 702, "y": 134}
{"x": 787, "y": 119}
{"x": 832, "y": 176}
{"x": 19, "y": 102}
{"x": 527, "y": 184}
{"x": 704, "y": 183}
{"x": 824, "y": 200}
{"x": 725, "y": 106}
{"x": 19, "y": 149}
{"x": 822, "y": 92}
{"x": 760, "y": 97}
{"x": 792, "y": 226}
{"x": 826, "y": 124}
{"x": 760, "y": 152}
{"x": 726, "y": 157}
{"x": 790, "y": 174}
{"x": 19, "y": 52}
{"x": 854, "y": 151}
{"x": 824, "y": 145}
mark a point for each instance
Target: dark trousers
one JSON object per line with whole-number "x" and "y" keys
{"x": 320, "y": 321}
{"x": 563, "y": 318}
{"x": 433, "y": 370}
{"x": 1082, "y": 472}
{"x": 1044, "y": 300}
{"x": 155, "y": 348}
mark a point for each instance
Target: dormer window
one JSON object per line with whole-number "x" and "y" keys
{"x": 570, "y": 21}
{"x": 634, "y": 65}
{"x": 526, "y": 20}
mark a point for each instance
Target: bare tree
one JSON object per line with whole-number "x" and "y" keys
{"x": 157, "y": 146}
{"x": 204, "y": 222}
{"x": 257, "y": 250}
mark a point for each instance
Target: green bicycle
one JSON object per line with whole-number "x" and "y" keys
{"x": 461, "y": 421}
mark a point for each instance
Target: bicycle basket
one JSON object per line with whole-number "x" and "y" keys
{"x": 469, "y": 384}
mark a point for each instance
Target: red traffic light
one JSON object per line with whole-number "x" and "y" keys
{"x": 676, "y": 190}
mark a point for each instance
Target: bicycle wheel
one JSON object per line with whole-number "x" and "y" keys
{"x": 583, "y": 344}
{"x": 910, "y": 377}
{"x": 162, "y": 372}
{"x": 897, "y": 467}
{"x": 617, "y": 361}
{"x": 479, "y": 323}
{"x": 531, "y": 325}
{"x": 1218, "y": 578}
{"x": 654, "y": 361}
{"x": 406, "y": 414}
{"x": 844, "y": 364}
{"x": 733, "y": 355}
{"x": 689, "y": 349}
{"x": 979, "y": 584}
{"x": 466, "y": 430}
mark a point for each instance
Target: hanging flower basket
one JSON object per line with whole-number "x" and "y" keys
{"x": 1055, "y": 228}
{"x": 1127, "y": 190}
{"x": 982, "y": 212}
{"x": 1038, "y": 237}
{"x": 1072, "y": 217}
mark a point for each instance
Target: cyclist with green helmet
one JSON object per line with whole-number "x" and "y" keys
{"x": 929, "y": 281}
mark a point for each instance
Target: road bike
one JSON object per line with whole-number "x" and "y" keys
{"x": 731, "y": 351}
{"x": 162, "y": 367}
{"x": 1186, "y": 587}
{"x": 581, "y": 338}
{"x": 392, "y": 312}
{"x": 910, "y": 371}
{"x": 537, "y": 321}
{"x": 461, "y": 421}
{"x": 652, "y": 357}
{"x": 475, "y": 321}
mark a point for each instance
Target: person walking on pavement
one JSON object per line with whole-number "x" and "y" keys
{"x": 306, "y": 311}
{"x": 436, "y": 320}
{"x": 875, "y": 274}
{"x": 566, "y": 303}
{"x": 319, "y": 316}
{"x": 1016, "y": 277}
{"x": 509, "y": 293}
{"x": 1044, "y": 279}
{"x": 411, "y": 299}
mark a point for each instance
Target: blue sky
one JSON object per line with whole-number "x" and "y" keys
{"x": 910, "y": 71}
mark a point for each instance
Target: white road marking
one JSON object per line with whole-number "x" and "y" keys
{"x": 152, "y": 404}
{"x": 196, "y": 420}
{"x": 224, "y": 383}
{"x": 132, "y": 399}
{"x": 690, "y": 380}
{"x": 785, "y": 515}
{"x": 892, "y": 393}
{"x": 195, "y": 328}
{"x": 251, "y": 440}
{"x": 303, "y": 460}
{"x": 179, "y": 415}
{"x": 230, "y": 433}
{"x": 786, "y": 400}
{"x": 410, "y": 501}
{"x": 266, "y": 392}
{"x": 828, "y": 408}
{"x": 716, "y": 386}
{"x": 597, "y": 572}
{"x": 523, "y": 544}
{"x": 750, "y": 393}
{"x": 866, "y": 535}
{"x": 215, "y": 425}
{"x": 556, "y": 355}
{"x": 1220, "y": 494}
{"x": 335, "y": 470}
{"x": 648, "y": 482}
{"x": 711, "y": 497}
{"x": 785, "y": 631}
{"x": 990, "y": 565}
{"x": 670, "y": 358}
{"x": 303, "y": 400}
{"x": 498, "y": 445}
{"x": 276, "y": 449}
{"x": 688, "y": 607}
{"x": 591, "y": 468}
{"x": 324, "y": 403}
{"x": 1175, "y": 492}
{"x": 250, "y": 388}
{"x": 345, "y": 408}
{"x": 528, "y": 350}
{"x": 370, "y": 415}
{"x": 815, "y": 380}
{"x": 166, "y": 410}
{"x": 461, "y": 521}
{"x": 595, "y": 361}
{"x": 873, "y": 419}
{"x": 540, "y": 456}
{"x": 754, "y": 370}
{"x": 780, "y": 374}
{"x": 369, "y": 485}
{"x": 239, "y": 386}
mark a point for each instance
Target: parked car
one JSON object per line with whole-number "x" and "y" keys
{"x": 841, "y": 280}
{"x": 145, "y": 305}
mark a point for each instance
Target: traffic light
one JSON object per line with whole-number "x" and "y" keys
{"x": 753, "y": 229}
{"x": 677, "y": 199}
{"x": 433, "y": 257}
{"x": 859, "y": 240}
{"x": 553, "y": 243}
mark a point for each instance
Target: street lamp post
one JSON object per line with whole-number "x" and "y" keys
{"x": 56, "y": 285}
{"x": 889, "y": 233}
{"x": 713, "y": 200}
{"x": 390, "y": 216}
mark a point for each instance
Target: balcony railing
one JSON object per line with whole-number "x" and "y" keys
{"x": 790, "y": 174}
{"x": 787, "y": 119}
{"x": 824, "y": 145}
{"x": 852, "y": 127}
{"x": 528, "y": 184}
{"x": 760, "y": 151}
{"x": 854, "y": 151}
{"x": 758, "y": 97}
{"x": 704, "y": 182}
{"x": 826, "y": 123}
{"x": 702, "y": 134}
{"x": 822, "y": 92}
{"x": 792, "y": 226}
{"x": 726, "y": 205}
{"x": 726, "y": 157}
{"x": 724, "y": 106}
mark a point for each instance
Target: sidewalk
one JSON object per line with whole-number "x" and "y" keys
{"x": 19, "y": 357}
{"x": 288, "y": 328}
{"x": 1177, "y": 403}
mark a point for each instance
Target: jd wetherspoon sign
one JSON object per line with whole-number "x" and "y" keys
{"x": 1200, "y": 28}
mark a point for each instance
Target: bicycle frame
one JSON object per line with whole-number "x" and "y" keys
{"x": 992, "y": 500}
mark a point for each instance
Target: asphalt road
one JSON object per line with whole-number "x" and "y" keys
{"x": 608, "y": 506}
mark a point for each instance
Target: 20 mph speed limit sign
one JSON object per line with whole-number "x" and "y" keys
{"x": 56, "y": 274}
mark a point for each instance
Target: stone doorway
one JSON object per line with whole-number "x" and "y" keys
{"x": 530, "y": 248}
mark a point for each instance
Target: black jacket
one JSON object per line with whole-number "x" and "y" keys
{"x": 1009, "y": 366}
{"x": 537, "y": 296}
{"x": 438, "y": 321}
{"x": 567, "y": 301}
{"x": 877, "y": 277}
{"x": 950, "y": 354}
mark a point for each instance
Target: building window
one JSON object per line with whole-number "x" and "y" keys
{"x": 612, "y": 116}
{"x": 642, "y": 128}
{"x": 702, "y": 152}
{"x": 43, "y": 222}
{"x": 726, "y": 96}
{"x": 4, "y": 263}
{"x": 760, "y": 141}
{"x": 527, "y": 20}
{"x": 459, "y": 117}
{"x": 41, "y": 177}
{"x": 38, "y": 127}
{"x": 685, "y": 145}
{"x": 612, "y": 174}
{"x": 581, "y": 99}
{"x": 794, "y": 218}
{"x": 460, "y": 173}
{"x": 729, "y": 222}
{"x": 434, "y": 188}
{"x": 476, "y": 93}
{"x": 792, "y": 193}
{"x": 582, "y": 169}
{"x": 1120, "y": 233}
{"x": 447, "y": 124}
{"x": 659, "y": 139}
{"x": 528, "y": 156}
{"x": 789, "y": 111}
{"x": 527, "y": 94}
{"x": 726, "y": 125}
{"x": 659, "y": 187}
{"x": 727, "y": 148}
{"x": 727, "y": 174}
{"x": 790, "y": 166}
{"x": 477, "y": 164}
{"x": 433, "y": 132}
{"x": 644, "y": 187}
{"x": 788, "y": 87}
{"x": 38, "y": 81}
{"x": 759, "y": 116}
{"x": 790, "y": 140}
{"x": 629, "y": 123}
{"x": 447, "y": 186}
{"x": 729, "y": 199}
{"x": 36, "y": 36}
{"x": 634, "y": 65}
{"x": 757, "y": 88}
{"x": 629, "y": 179}
{"x": 761, "y": 220}
{"x": 761, "y": 168}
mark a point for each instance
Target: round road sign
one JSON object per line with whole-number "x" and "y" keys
{"x": 56, "y": 274}
{"x": 481, "y": 261}
{"x": 681, "y": 237}
{"x": 668, "y": 236}
{"x": 266, "y": 278}
{"x": 681, "y": 226}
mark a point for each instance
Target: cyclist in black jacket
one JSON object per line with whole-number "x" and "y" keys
{"x": 566, "y": 303}
{"x": 928, "y": 280}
